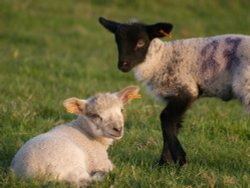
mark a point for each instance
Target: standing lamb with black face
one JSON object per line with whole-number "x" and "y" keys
{"x": 181, "y": 71}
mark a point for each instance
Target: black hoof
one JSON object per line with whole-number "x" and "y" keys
{"x": 164, "y": 162}
{"x": 182, "y": 161}
{"x": 179, "y": 163}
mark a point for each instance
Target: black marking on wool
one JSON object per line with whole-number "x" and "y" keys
{"x": 230, "y": 54}
{"x": 170, "y": 71}
{"x": 169, "y": 81}
{"x": 209, "y": 63}
{"x": 176, "y": 57}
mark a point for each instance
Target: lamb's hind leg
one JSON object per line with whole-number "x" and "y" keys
{"x": 98, "y": 175}
{"x": 241, "y": 85}
{"x": 79, "y": 177}
{"x": 171, "y": 118}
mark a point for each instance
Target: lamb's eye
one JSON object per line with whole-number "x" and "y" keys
{"x": 123, "y": 113}
{"x": 140, "y": 44}
{"x": 95, "y": 116}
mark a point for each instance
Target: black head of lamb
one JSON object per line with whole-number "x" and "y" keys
{"x": 133, "y": 40}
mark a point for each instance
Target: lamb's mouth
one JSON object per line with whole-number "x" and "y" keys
{"x": 125, "y": 69}
{"x": 115, "y": 135}
{"x": 124, "y": 66}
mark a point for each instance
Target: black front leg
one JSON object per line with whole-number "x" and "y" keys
{"x": 171, "y": 118}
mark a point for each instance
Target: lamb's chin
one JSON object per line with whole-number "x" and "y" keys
{"x": 137, "y": 73}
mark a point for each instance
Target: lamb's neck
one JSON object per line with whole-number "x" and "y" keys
{"x": 87, "y": 127}
{"x": 106, "y": 142}
{"x": 153, "y": 60}
{"x": 83, "y": 124}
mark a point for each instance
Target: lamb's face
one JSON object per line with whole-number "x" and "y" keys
{"x": 133, "y": 40}
{"x": 103, "y": 111}
{"x": 132, "y": 43}
{"x": 106, "y": 112}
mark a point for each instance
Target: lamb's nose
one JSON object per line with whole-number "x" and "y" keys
{"x": 123, "y": 66}
{"x": 117, "y": 129}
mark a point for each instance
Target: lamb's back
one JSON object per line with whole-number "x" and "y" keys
{"x": 194, "y": 66}
{"x": 220, "y": 59}
{"x": 48, "y": 154}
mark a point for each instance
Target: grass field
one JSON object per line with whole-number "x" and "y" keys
{"x": 52, "y": 50}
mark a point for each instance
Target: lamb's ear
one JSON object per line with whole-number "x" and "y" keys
{"x": 159, "y": 30}
{"x": 128, "y": 93}
{"x": 108, "y": 24}
{"x": 75, "y": 105}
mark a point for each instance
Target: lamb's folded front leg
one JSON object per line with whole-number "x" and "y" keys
{"x": 171, "y": 118}
{"x": 100, "y": 171}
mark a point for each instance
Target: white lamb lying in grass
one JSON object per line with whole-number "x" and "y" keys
{"x": 77, "y": 152}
